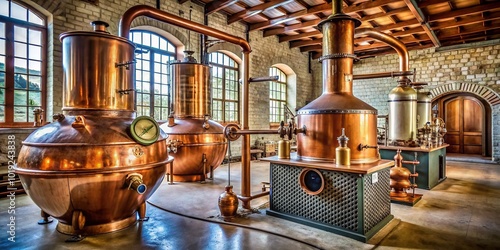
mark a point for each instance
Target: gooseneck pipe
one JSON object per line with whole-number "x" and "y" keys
{"x": 391, "y": 41}
{"x": 144, "y": 10}
{"x": 148, "y": 11}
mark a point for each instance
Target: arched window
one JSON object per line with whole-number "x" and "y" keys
{"x": 225, "y": 88}
{"x": 277, "y": 96}
{"x": 22, "y": 63}
{"x": 154, "y": 52}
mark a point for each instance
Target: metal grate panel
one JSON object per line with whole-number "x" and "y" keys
{"x": 336, "y": 205}
{"x": 377, "y": 199}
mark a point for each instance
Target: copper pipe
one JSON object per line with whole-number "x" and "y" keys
{"x": 148, "y": 11}
{"x": 263, "y": 78}
{"x": 383, "y": 75}
{"x": 415, "y": 162}
{"x": 255, "y": 132}
{"x": 245, "y": 148}
{"x": 247, "y": 199}
{"x": 144, "y": 10}
{"x": 391, "y": 41}
{"x": 336, "y": 7}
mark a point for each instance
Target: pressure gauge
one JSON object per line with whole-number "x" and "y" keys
{"x": 311, "y": 181}
{"x": 145, "y": 130}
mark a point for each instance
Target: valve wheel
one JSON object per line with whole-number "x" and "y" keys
{"x": 229, "y": 132}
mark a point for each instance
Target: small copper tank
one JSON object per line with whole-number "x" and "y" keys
{"x": 196, "y": 142}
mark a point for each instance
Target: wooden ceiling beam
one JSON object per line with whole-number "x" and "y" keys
{"x": 296, "y": 44}
{"x": 465, "y": 40}
{"x": 256, "y": 10}
{"x": 423, "y": 4}
{"x": 478, "y": 27}
{"x": 293, "y": 27}
{"x": 419, "y": 15}
{"x": 464, "y": 11}
{"x": 407, "y": 32}
{"x": 388, "y": 50}
{"x": 317, "y": 9}
{"x": 312, "y": 23}
{"x": 300, "y": 36}
{"x": 405, "y": 40}
{"x": 466, "y": 20}
{"x": 218, "y": 5}
{"x": 388, "y": 13}
{"x": 311, "y": 48}
{"x": 381, "y": 28}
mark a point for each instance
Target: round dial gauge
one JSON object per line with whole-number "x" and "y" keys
{"x": 145, "y": 130}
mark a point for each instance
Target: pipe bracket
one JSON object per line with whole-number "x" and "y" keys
{"x": 337, "y": 55}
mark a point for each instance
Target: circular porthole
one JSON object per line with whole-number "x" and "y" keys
{"x": 311, "y": 181}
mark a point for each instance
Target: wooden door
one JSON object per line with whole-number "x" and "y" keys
{"x": 464, "y": 117}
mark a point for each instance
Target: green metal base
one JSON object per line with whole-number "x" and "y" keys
{"x": 353, "y": 235}
{"x": 432, "y": 167}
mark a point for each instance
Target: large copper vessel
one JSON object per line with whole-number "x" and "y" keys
{"x": 83, "y": 168}
{"x": 337, "y": 107}
{"x": 197, "y": 142}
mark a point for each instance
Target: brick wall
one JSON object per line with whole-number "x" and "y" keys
{"x": 474, "y": 69}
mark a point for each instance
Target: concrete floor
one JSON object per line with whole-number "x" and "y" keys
{"x": 460, "y": 213}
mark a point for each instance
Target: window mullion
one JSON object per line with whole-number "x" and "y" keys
{"x": 223, "y": 94}
{"x": 9, "y": 73}
{"x": 151, "y": 84}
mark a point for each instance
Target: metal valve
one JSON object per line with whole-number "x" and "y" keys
{"x": 172, "y": 145}
{"x": 206, "y": 125}
{"x": 134, "y": 182}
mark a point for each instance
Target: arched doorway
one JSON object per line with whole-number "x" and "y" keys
{"x": 468, "y": 122}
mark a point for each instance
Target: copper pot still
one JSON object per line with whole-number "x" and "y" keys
{"x": 197, "y": 142}
{"x": 337, "y": 107}
{"x": 400, "y": 177}
{"x": 84, "y": 169}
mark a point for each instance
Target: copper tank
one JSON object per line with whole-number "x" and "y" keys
{"x": 197, "y": 142}
{"x": 337, "y": 107}
{"x": 84, "y": 169}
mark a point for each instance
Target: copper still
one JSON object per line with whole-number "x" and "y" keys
{"x": 400, "y": 176}
{"x": 197, "y": 142}
{"x": 337, "y": 107}
{"x": 84, "y": 169}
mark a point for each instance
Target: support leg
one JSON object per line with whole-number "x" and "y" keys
{"x": 46, "y": 219}
{"x": 142, "y": 212}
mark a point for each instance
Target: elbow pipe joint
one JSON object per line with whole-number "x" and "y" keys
{"x": 391, "y": 41}
{"x": 134, "y": 181}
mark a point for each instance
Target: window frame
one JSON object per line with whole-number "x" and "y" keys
{"x": 9, "y": 82}
{"x": 152, "y": 51}
{"x": 225, "y": 67}
{"x": 281, "y": 74}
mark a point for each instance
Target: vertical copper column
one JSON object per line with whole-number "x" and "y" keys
{"x": 245, "y": 148}
{"x": 338, "y": 54}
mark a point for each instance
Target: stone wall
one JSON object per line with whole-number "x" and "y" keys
{"x": 474, "y": 68}
{"x": 69, "y": 15}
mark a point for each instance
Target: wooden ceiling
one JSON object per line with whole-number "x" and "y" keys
{"x": 419, "y": 24}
